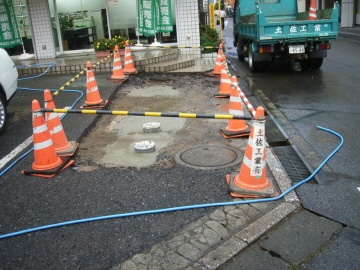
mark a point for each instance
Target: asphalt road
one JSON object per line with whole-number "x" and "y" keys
{"x": 29, "y": 202}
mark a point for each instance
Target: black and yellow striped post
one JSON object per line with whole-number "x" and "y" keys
{"x": 176, "y": 46}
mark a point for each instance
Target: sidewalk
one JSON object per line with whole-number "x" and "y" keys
{"x": 350, "y": 33}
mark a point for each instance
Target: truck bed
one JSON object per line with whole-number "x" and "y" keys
{"x": 290, "y": 28}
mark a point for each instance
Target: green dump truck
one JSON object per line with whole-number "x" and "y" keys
{"x": 272, "y": 30}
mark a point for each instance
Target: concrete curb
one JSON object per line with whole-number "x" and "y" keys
{"x": 212, "y": 240}
{"x": 245, "y": 237}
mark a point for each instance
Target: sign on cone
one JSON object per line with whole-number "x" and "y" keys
{"x": 252, "y": 180}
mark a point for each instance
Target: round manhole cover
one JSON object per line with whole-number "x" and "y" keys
{"x": 209, "y": 157}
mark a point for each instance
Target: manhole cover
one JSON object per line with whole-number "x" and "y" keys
{"x": 209, "y": 157}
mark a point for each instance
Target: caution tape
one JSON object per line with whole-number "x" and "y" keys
{"x": 156, "y": 114}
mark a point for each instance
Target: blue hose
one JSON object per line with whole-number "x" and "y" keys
{"x": 61, "y": 118}
{"x": 36, "y": 76}
{"x": 180, "y": 208}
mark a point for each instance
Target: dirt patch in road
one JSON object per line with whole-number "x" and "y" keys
{"x": 191, "y": 93}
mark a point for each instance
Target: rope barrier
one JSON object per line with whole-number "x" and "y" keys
{"x": 157, "y": 114}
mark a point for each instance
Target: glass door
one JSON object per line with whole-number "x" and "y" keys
{"x": 75, "y": 26}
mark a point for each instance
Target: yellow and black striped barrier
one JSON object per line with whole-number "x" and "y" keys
{"x": 176, "y": 47}
{"x": 81, "y": 73}
{"x": 156, "y": 114}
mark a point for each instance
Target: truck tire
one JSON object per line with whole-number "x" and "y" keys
{"x": 240, "y": 51}
{"x": 3, "y": 114}
{"x": 254, "y": 66}
{"x": 313, "y": 63}
{"x": 304, "y": 63}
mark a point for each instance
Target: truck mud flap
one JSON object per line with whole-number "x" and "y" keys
{"x": 262, "y": 57}
{"x": 318, "y": 54}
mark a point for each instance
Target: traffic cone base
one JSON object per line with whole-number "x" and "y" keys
{"x": 120, "y": 79}
{"x": 65, "y": 163}
{"x": 95, "y": 106}
{"x": 131, "y": 71}
{"x": 70, "y": 151}
{"x": 218, "y": 95}
{"x": 212, "y": 74}
{"x": 237, "y": 134}
{"x": 239, "y": 192}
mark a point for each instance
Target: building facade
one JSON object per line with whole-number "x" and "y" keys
{"x": 42, "y": 23}
{"x": 48, "y": 28}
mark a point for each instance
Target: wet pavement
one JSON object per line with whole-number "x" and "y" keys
{"x": 204, "y": 238}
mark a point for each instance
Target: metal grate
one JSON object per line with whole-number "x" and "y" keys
{"x": 294, "y": 164}
{"x": 274, "y": 136}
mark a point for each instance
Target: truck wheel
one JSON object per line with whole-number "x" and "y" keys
{"x": 317, "y": 62}
{"x": 254, "y": 66}
{"x": 3, "y": 114}
{"x": 305, "y": 63}
{"x": 240, "y": 51}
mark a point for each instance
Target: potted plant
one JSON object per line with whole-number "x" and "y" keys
{"x": 208, "y": 37}
{"x": 104, "y": 46}
{"x": 65, "y": 23}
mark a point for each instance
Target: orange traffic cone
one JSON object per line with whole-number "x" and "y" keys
{"x": 129, "y": 65}
{"x": 236, "y": 127}
{"x": 93, "y": 99}
{"x": 218, "y": 64}
{"x": 62, "y": 146}
{"x": 46, "y": 163}
{"x": 252, "y": 181}
{"x": 225, "y": 83}
{"x": 312, "y": 10}
{"x": 118, "y": 74}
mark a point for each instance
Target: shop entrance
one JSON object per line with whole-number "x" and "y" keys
{"x": 76, "y": 27}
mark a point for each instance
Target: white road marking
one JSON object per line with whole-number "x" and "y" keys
{"x": 15, "y": 152}
{"x": 358, "y": 188}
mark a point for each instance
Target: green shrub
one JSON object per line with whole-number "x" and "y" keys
{"x": 208, "y": 37}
